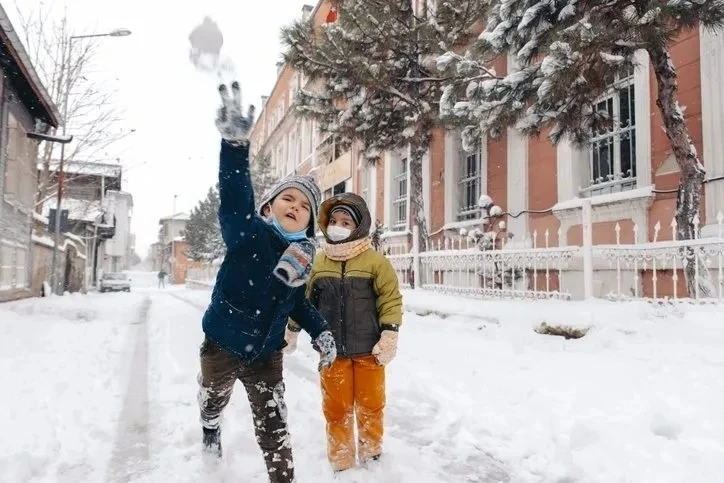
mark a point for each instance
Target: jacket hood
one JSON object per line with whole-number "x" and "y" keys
{"x": 307, "y": 185}
{"x": 349, "y": 199}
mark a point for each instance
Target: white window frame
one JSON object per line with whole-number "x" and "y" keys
{"x": 711, "y": 47}
{"x": 294, "y": 149}
{"x": 454, "y": 168}
{"x": 306, "y": 139}
{"x": 21, "y": 269}
{"x": 400, "y": 200}
{"x": 7, "y": 253}
{"x": 13, "y": 275}
{"x": 610, "y": 142}
{"x": 280, "y": 161}
{"x": 573, "y": 162}
{"x": 464, "y": 210}
{"x": 365, "y": 178}
{"x": 573, "y": 168}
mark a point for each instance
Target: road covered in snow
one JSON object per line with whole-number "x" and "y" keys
{"x": 102, "y": 387}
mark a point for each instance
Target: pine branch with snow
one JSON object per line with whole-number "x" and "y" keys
{"x": 202, "y": 232}
{"x": 569, "y": 54}
{"x": 262, "y": 177}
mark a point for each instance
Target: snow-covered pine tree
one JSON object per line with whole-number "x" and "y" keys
{"x": 202, "y": 230}
{"x": 568, "y": 53}
{"x": 262, "y": 176}
{"x": 374, "y": 79}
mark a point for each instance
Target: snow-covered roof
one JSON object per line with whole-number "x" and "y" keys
{"x": 177, "y": 216}
{"x": 86, "y": 167}
{"x": 24, "y": 71}
{"x": 123, "y": 194}
{"x": 80, "y": 210}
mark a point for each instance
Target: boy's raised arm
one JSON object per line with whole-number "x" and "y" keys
{"x": 236, "y": 193}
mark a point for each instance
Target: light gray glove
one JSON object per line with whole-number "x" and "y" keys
{"x": 231, "y": 123}
{"x": 386, "y": 349}
{"x": 324, "y": 344}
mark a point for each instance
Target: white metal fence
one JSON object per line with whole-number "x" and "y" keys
{"x": 649, "y": 270}
{"x": 638, "y": 270}
{"x": 202, "y": 277}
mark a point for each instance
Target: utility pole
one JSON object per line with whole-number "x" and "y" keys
{"x": 66, "y": 66}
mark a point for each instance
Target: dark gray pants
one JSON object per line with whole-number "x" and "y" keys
{"x": 265, "y": 389}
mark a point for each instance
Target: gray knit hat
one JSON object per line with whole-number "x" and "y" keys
{"x": 305, "y": 184}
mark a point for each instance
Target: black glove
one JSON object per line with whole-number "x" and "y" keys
{"x": 231, "y": 123}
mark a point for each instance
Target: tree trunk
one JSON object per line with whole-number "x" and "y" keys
{"x": 692, "y": 172}
{"x": 417, "y": 200}
{"x": 417, "y": 149}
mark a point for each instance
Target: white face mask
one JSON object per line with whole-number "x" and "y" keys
{"x": 338, "y": 233}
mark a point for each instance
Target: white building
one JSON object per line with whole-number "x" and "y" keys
{"x": 117, "y": 250}
{"x": 172, "y": 227}
{"x": 171, "y": 245}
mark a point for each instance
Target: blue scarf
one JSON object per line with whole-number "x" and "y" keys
{"x": 300, "y": 235}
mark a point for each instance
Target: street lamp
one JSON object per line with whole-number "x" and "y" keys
{"x": 67, "y": 66}
{"x": 119, "y": 33}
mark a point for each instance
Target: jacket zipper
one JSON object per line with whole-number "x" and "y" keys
{"x": 342, "y": 321}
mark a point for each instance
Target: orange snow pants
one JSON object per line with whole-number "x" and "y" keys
{"x": 353, "y": 387}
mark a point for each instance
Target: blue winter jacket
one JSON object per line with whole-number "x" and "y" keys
{"x": 249, "y": 305}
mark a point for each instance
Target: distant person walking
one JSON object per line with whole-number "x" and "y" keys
{"x": 162, "y": 279}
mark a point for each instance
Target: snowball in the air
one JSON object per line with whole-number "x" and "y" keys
{"x": 207, "y": 38}
{"x": 206, "y": 42}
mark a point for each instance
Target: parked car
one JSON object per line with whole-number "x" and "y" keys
{"x": 115, "y": 282}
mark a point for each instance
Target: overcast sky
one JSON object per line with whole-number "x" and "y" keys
{"x": 174, "y": 149}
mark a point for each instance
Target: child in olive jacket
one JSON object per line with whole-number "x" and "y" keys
{"x": 260, "y": 284}
{"x": 357, "y": 291}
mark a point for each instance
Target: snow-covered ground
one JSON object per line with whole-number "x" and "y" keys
{"x": 103, "y": 388}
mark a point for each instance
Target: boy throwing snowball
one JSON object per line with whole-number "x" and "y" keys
{"x": 260, "y": 284}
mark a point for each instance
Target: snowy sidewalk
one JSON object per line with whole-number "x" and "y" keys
{"x": 475, "y": 394}
{"x": 64, "y": 363}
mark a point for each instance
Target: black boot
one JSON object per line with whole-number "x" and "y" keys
{"x": 212, "y": 442}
